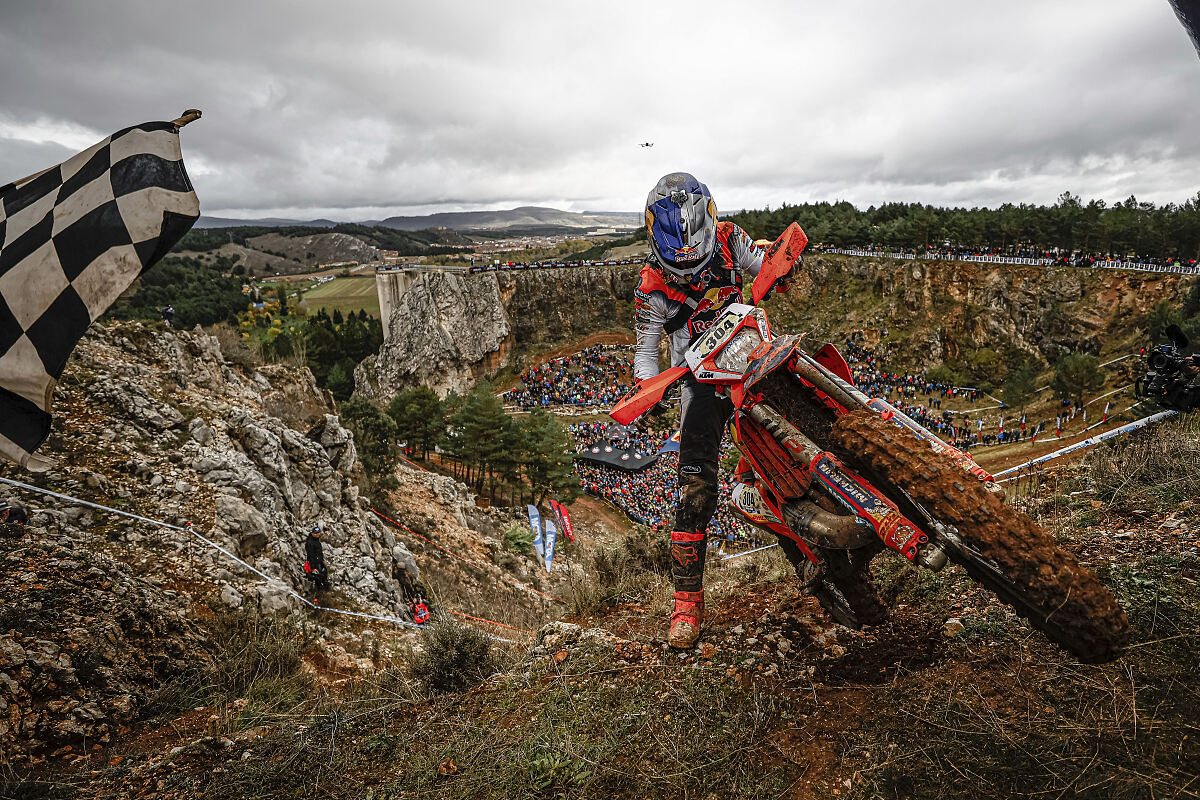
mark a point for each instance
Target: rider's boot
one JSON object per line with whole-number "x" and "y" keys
{"x": 688, "y": 550}
{"x": 686, "y": 620}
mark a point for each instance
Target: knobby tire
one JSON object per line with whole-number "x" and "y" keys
{"x": 1003, "y": 549}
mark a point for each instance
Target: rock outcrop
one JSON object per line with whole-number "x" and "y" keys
{"x": 451, "y": 330}
{"x": 938, "y": 311}
{"x": 85, "y": 645}
{"x": 189, "y": 437}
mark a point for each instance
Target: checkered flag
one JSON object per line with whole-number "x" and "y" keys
{"x": 72, "y": 239}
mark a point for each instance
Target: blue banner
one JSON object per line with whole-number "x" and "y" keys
{"x": 671, "y": 445}
{"x": 551, "y": 535}
{"x": 535, "y": 524}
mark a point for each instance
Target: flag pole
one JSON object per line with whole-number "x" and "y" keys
{"x": 191, "y": 115}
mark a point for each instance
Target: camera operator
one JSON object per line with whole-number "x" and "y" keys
{"x": 1171, "y": 379}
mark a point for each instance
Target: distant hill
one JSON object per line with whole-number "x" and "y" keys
{"x": 267, "y": 222}
{"x": 525, "y": 218}
{"x": 289, "y": 249}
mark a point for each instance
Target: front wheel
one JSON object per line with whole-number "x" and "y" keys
{"x": 841, "y": 583}
{"x": 998, "y": 546}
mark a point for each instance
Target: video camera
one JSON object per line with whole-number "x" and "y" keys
{"x": 1171, "y": 379}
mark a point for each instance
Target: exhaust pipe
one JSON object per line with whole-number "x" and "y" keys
{"x": 837, "y": 531}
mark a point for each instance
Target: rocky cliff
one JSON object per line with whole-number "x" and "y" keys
{"x": 451, "y": 330}
{"x": 924, "y": 313}
{"x": 164, "y": 425}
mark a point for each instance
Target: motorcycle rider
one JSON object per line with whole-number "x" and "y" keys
{"x": 694, "y": 272}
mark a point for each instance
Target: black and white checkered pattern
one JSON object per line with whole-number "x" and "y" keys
{"x": 72, "y": 239}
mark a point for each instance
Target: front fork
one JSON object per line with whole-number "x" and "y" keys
{"x": 867, "y": 506}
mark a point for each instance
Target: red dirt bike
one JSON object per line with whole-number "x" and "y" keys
{"x": 840, "y": 477}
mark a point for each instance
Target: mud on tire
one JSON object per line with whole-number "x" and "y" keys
{"x": 1078, "y": 612}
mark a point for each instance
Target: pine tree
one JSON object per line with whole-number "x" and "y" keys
{"x": 1075, "y": 375}
{"x": 1018, "y": 388}
{"x": 549, "y": 464}
{"x": 340, "y": 380}
{"x": 374, "y": 439}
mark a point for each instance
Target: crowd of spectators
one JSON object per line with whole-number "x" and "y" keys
{"x": 896, "y": 386}
{"x": 596, "y": 376}
{"x": 649, "y": 497}
{"x": 1020, "y": 253}
{"x": 620, "y": 437}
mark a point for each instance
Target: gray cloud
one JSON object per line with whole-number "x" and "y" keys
{"x": 356, "y": 110}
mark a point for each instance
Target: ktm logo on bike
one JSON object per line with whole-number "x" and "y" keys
{"x": 684, "y": 553}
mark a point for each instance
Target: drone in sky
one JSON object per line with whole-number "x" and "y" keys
{"x": 646, "y": 144}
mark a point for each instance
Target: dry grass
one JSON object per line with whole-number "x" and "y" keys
{"x": 1156, "y": 468}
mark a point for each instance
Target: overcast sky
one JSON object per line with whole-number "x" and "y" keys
{"x": 361, "y": 110}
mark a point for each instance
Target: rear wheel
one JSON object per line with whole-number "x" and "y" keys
{"x": 997, "y": 545}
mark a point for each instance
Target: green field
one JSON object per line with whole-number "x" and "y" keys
{"x": 345, "y": 295}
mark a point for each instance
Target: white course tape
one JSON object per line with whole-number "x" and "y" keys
{"x": 1141, "y": 423}
{"x": 748, "y": 552}
{"x": 394, "y": 620}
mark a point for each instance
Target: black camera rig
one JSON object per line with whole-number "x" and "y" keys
{"x": 1170, "y": 381}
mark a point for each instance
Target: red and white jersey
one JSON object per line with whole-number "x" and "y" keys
{"x": 684, "y": 312}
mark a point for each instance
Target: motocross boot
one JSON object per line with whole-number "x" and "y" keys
{"x": 686, "y": 620}
{"x": 687, "y": 568}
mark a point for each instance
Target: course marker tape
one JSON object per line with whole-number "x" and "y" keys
{"x": 748, "y": 552}
{"x": 1141, "y": 423}
{"x": 488, "y": 621}
{"x": 394, "y": 620}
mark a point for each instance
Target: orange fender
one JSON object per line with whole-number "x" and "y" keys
{"x": 645, "y": 395}
{"x": 780, "y": 259}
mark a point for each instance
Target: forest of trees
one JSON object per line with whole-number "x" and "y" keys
{"x": 333, "y": 346}
{"x": 513, "y": 458}
{"x": 200, "y": 292}
{"x": 1126, "y": 229}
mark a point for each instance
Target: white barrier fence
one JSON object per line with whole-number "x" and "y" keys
{"x": 1176, "y": 269}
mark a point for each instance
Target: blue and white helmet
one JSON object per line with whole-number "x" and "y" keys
{"x": 681, "y": 223}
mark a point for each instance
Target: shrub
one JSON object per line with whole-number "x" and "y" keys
{"x": 628, "y": 571}
{"x": 1158, "y": 467}
{"x": 455, "y": 658}
{"x": 519, "y": 539}
{"x": 259, "y": 659}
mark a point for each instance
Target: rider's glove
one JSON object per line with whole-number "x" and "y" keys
{"x": 785, "y": 283}
{"x": 653, "y": 414}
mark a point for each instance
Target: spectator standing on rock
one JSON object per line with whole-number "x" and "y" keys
{"x": 168, "y": 314}
{"x": 314, "y": 564}
{"x": 419, "y": 608}
{"x": 11, "y": 514}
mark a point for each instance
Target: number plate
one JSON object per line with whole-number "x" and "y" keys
{"x": 722, "y": 328}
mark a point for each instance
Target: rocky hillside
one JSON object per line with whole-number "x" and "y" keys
{"x": 451, "y": 330}
{"x": 96, "y": 609}
{"x": 938, "y": 311}
{"x": 274, "y": 253}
